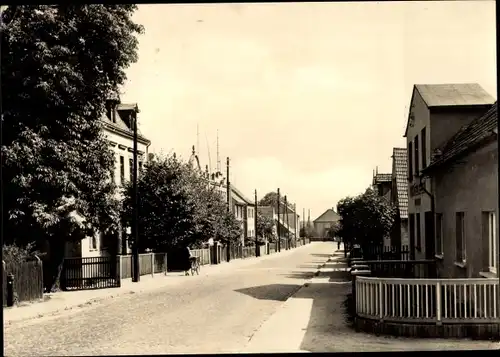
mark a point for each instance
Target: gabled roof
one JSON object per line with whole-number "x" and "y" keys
{"x": 241, "y": 196}
{"x": 467, "y": 138}
{"x": 459, "y": 94}
{"x": 400, "y": 167}
{"x": 121, "y": 124}
{"x": 450, "y": 95}
{"x": 328, "y": 216}
{"x": 381, "y": 178}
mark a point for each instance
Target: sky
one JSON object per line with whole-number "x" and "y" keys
{"x": 307, "y": 97}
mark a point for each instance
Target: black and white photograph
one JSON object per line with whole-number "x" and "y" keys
{"x": 267, "y": 177}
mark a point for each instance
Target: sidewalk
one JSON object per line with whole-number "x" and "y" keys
{"x": 314, "y": 319}
{"x": 63, "y": 301}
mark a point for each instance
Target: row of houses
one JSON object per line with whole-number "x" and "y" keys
{"x": 445, "y": 182}
{"x": 118, "y": 128}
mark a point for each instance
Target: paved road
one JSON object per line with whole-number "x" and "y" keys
{"x": 206, "y": 314}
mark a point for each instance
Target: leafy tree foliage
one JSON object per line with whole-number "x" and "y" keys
{"x": 307, "y": 231}
{"x": 59, "y": 65}
{"x": 271, "y": 198}
{"x": 333, "y": 231}
{"x": 365, "y": 219}
{"x": 265, "y": 226}
{"x": 178, "y": 207}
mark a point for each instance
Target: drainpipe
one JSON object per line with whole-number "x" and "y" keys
{"x": 433, "y": 210}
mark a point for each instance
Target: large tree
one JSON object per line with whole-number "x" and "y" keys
{"x": 265, "y": 227}
{"x": 178, "y": 207}
{"x": 271, "y": 199}
{"x": 365, "y": 219}
{"x": 59, "y": 65}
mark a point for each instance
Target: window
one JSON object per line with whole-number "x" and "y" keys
{"x": 140, "y": 166}
{"x": 122, "y": 170}
{"x": 439, "y": 234}
{"x": 415, "y": 154}
{"x": 460, "y": 237}
{"x": 93, "y": 242}
{"x": 410, "y": 161}
{"x": 411, "y": 230}
{"x": 424, "y": 148}
{"x": 419, "y": 235}
{"x": 131, "y": 169}
{"x": 491, "y": 231}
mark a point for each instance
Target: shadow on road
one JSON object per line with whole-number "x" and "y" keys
{"x": 320, "y": 255}
{"x": 276, "y": 292}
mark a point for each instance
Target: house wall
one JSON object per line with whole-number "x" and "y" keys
{"x": 441, "y": 124}
{"x": 419, "y": 203}
{"x": 250, "y": 221}
{"x": 121, "y": 146}
{"x": 470, "y": 186}
{"x": 446, "y": 122}
{"x": 321, "y": 228}
{"x": 404, "y": 232}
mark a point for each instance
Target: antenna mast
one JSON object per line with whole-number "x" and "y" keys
{"x": 209, "y": 157}
{"x": 198, "y": 139}
{"x": 218, "y": 157}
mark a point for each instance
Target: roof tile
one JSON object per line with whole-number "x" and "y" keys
{"x": 400, "y": 157}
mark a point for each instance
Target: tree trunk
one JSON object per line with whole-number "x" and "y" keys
{"x": 54, "y": 266}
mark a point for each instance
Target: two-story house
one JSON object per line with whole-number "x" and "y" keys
{"x": 464, "y": 180}
{"x": 437, "y": 112}
{"x": 118, "y": 128}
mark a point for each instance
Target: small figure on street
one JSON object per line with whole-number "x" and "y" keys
{"x": 338, "y": 244}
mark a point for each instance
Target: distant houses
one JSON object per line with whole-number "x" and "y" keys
{"x": 445, "y": 183}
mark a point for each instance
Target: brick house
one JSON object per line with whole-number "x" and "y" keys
{"x": 464, "y": 180}
{"x": 399, "y": 197}
{"x": 437, "y": 112}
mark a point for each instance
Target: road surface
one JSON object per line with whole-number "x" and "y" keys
{"x": 206, "y": 314}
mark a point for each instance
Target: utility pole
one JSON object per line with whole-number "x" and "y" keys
{"x": 304, "y": 225}
{"x": 295, "y": 221}
{"x": 135, "y": 214}
{"x": 228, "y": 250}
{"x": 287, "y": 243}
{"x": 257, "y": 250}
{"x": 278, "y": 225}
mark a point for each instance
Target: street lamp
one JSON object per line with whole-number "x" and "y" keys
{"x": 135, "y": 212}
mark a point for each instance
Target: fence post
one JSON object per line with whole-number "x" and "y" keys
{"x": 381, "y": 300}
{"x": 120, "y": 261}
{"x": 438, "y": 303}
{"x": 10, "y": 290}
{"x": 119, "y": 270}
{"x": 152, "y": 265}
